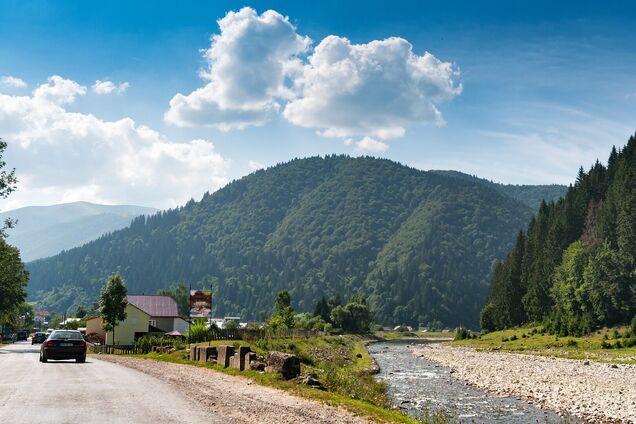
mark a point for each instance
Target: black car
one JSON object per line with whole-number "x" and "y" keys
{"x": 22, "y": 335}
{"x": 64, "y": 344}
{"x": 38, "y": 337}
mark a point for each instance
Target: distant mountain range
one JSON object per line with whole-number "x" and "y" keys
{"x": 47, "y": 230}
{"x": 419, "y": 245}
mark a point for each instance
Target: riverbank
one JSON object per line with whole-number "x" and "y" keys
{"x": 593, "y": 391}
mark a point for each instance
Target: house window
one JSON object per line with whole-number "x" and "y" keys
{"x": 152, "y": 322}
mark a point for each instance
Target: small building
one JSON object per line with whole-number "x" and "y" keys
{"x": 144, "y": 314}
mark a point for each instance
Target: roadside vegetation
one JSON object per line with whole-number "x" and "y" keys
{"x": 615, "y": 345}
{"x": 341, "y": 364}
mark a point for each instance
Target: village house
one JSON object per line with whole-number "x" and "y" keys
{"x": 144, "y": 314}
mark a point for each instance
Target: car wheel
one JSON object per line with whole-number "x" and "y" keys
{"x": 43, "y": 358}
{"x": 81, "y": 359}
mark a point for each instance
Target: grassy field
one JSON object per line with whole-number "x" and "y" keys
{"x": 530, "y": 340}
{"x": 341, "y": 363}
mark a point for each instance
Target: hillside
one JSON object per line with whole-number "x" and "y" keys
{"x": 420, "y": 244}
{"x": 47, "y": 230}
{"x": 529, "y": 195}
{"x": 574, "y": 267}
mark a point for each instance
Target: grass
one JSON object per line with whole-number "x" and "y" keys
{"x": 341, "y": 363}
{"x": 530, "y": 340}
{"x": 400, "y": 335}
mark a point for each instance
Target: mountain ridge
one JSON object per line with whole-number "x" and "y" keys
{"x": 314, "y": 226}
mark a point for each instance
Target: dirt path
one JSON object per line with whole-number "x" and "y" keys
{"x": 594, "y": 391}
{"x": 237, "y": 399}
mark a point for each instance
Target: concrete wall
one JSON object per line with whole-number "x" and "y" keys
{"x": 94, "y": 326}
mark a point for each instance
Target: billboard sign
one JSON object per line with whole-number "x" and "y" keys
{"x": 200, "y": 303}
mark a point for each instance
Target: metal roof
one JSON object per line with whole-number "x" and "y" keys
{"x": 155, "y": 305}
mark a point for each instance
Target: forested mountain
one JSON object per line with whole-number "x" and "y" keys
{"x": 421, "y": 245}
{"x": 529, "y": 195}
{"x": 47, "y": 230}
{"x": 574, "y": 268}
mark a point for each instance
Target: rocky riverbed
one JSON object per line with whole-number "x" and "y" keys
{"x": 593, "y": 391}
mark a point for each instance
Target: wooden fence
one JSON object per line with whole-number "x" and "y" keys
{"x": 115, "y": 349}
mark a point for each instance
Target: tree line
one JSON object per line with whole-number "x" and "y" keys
{"x": 574, "y": 267}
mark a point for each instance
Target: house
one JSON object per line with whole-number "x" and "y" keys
{"x": 144, "y": 314}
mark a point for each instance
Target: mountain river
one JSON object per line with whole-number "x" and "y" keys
{"x": 417, "y": 385}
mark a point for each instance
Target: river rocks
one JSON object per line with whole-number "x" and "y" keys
{"x": 595, "y": 392}
{"x": 312, "y": 381}
{"x": 286, "y": 364}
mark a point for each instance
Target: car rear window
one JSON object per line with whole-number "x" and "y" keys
{"x": 57, "y": 335}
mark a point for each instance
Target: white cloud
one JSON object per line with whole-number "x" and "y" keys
{"x": 63, "y": 156}
{"x": 373, "y": 89}
{"x": 258, "y": 66}
{"x": 255, "y": 165}
{"x": 14, "y": 82}
{"x": 248, "y": 64}
{"x": 109, "y": 87}
{"x": 368, "y": 144}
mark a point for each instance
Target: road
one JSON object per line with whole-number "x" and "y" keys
{"x": 96, "y": 391}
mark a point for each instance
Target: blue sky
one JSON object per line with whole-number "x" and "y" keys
{"x": 517, "y": 92}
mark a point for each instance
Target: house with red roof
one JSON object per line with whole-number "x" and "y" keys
{"x": 144, "y": 314}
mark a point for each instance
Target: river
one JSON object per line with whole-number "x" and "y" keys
{"x": 418, "y": 385}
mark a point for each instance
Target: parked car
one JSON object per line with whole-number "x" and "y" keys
{"x": 38, "y": 337}
{"x": 22, "y": 335}
{"x": 64, "y": 344}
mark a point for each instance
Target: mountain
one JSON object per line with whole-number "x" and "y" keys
{"x": 529, "y": 195}
{"x": 419, "y": 244}
{"x": 574, "y": 268}
{"x": 47, "y": 230}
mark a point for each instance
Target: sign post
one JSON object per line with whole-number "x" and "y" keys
{"x": 200, "y": 307}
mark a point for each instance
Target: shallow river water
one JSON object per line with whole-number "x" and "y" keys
{"x": 416, "y": 385}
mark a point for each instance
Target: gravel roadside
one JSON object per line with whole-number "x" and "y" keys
{"x": 596, "y": 392}
{"x": 238, "y": 400}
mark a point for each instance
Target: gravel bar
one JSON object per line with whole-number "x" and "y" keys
{"x": 593, "y": 391}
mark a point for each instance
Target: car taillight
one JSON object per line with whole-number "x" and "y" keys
{"x": 50, "y": 344}
{"x": 82, "y": 343}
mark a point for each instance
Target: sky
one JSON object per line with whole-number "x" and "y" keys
{"x": 132, "y": 102}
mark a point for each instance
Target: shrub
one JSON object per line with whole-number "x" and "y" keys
{"x": 616, "y": 334}
{"x": 633, "y": 326}
{"x": 198, "y": 332}
{"x": 606, "y": 345}
{"x": 631, "y": 342}
{"x": 523, "y": 336}
{"x": 462, "y": 334}
{"x": 618, "y": 344}
{"x": 504, "y": 339}
{"x": 571, "y": 343}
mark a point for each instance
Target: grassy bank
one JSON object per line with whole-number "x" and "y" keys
{"x": 598, "y": 346}
{"x": 341, "y": 363}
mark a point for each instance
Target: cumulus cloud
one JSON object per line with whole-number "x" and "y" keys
{"x": 249, "y": 62}
{"x": 11, "y": 81}
{"x": 258, "y": 65}
{"x": 372, "y": 90}
{"x": 64, "y": 156}
{"x": 367, "y": 144}
{"x": 109, "y": 87}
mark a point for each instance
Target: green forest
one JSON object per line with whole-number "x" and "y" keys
{"x": 574, "y": 267}
{"x": 419, "y": 245}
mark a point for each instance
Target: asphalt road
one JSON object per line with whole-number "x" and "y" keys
{"x": 96, "y": 391}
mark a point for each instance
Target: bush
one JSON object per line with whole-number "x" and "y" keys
{"x": 146, "y": 343}
{"x": 631, "y": 342}
{"x": 606, "y": 345}
{"x": 618, "y": 344}
{"x": 633, "y": 326}
{"x": 571, "y": 343}
{"x": 462, "y": 334}
{"x": 514, "y": 337}
{"x": 616, "y": 334}
{"x": 198, "y": 332}
{"x": 504, "y": 339}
